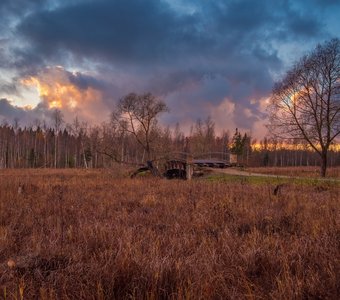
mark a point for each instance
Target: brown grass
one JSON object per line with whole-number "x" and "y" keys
{"x": 88, "y": 235}
{"x": 296, "y": 171}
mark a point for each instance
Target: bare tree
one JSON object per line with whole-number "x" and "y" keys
{"x": 58, "y": 120}
{"x": 137, "y": 115}
{"x": 79, "y": 130}
{"x": 305, "y": 104}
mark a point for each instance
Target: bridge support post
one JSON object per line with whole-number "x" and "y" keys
{"x": 189, "y": 170}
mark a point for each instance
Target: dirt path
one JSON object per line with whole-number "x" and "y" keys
{"x": 232, "y": 171}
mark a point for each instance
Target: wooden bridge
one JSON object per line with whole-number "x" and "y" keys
{"x": 182, "y": 165}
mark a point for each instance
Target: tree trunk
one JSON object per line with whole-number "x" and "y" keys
{"x": 55, "y": 150}
{"x": 148, "y": 151}
{"x": 323, "y": 164}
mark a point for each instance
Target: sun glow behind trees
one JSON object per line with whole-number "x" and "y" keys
{"x": 272, "y": 146}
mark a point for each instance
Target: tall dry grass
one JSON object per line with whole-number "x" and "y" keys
{"x": 88, "y": 235}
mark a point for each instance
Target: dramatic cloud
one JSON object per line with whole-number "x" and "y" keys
{"x": 10, "y": 114}
{"x": 7, "y": 110}
{"x": 73, "y": 93}
{"x": 203, "y": 57}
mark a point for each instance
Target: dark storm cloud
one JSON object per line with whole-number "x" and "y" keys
{"x": 9, "y": 88}
{"x": 120, "y": 30}
{"x": 84, "y": 81}
{"x": 193, "y": 53}
{"x": 100, "y": 83}
{"x": 242, "y": 119}
{"x": 10, "y": 112}
{"x": 7, "y": 110}
{"x": 242, "y": 17}
{"x": 136, "y": 31}
{"x": 17, "y": 6}
{"x": 11, "y": 10}
{"x": 304, "y": 26}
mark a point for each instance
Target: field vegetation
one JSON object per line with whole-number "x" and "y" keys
{"x": 306, "y": 171}
{"x": 77, "y": 234}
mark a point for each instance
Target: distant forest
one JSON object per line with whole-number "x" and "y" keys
{"x": 79, "y": 145}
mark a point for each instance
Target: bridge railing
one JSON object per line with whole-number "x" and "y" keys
{"x": 223, "y": 156}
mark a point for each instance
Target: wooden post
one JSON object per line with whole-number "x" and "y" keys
{"x": 233, "y": 159}
{"x": 188, "y": 171}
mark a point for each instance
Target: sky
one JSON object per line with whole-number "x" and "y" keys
{"x": 204, "y": 58}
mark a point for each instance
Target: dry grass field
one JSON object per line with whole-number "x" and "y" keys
{"x": 91, "y": 235}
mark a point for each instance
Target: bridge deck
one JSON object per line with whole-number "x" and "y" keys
{"x": 209, "y": 161}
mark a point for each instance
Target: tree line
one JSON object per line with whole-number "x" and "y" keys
{"x": 79, "y": 145}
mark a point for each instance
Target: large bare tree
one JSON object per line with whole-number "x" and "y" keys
{"x": 137, "y": 115}
{"x": 305, "y": 104}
